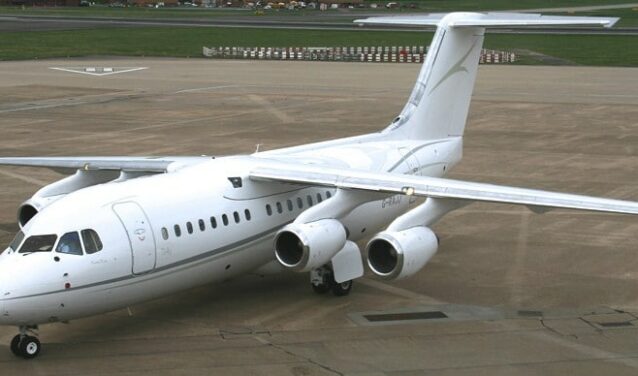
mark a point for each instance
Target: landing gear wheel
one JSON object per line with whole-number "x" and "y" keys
{"x": 342, "y": 289}
{"x": 15, "y": 345}
{"x": 321, "y": 288}
{"x": 321, "y": 280}
{"x": 30, "y": 347}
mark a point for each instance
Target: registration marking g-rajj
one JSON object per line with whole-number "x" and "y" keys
{"x": 122, "y": 230}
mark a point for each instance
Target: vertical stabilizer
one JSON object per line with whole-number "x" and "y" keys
{"x": 440, "y": 100}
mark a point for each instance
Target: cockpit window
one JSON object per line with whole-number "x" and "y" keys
{"x": 70, "y": 244}
{"x": 39, "y": 243}
{"x": 92, "y": 242}
{"x": 16, "y": 241}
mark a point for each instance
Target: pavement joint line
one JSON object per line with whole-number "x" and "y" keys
{"x": 584, "y": 349}
{"x": 297, "y": 356}
{"x": 74, "y": 101}
{"x": 206, "y": 88}
{"x": 515, "y": 273}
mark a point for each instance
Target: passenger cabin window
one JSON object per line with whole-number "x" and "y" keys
{"x": 280, "y": 208}
{"x": 289, "y": 204}
{"x": 236, "y": 216}
{"x": 70, "y": 244}
{"x": 319, "y": 198}
{"x": 309, "y": 200}
{"x": 40, "y": 243}
{"x": 213, "y": 222}
{"x": 268, "y": 209}
{"x": 247, "y": 214}
{"x": 202, "y": 225}
{"x": 189, "y": 227}
{"x": 328, "y": 194}
{"x": 225, "y": 219}
{"x": 178, "y": 231}
{"x": 15, "y": 243}
{"x": 93, "y": 244}
{"x": 164, "y": 234}
{"x": 299, "y": 203}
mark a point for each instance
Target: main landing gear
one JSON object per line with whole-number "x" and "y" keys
{"x": 24, "y": 345}
{"x": 322, "y": 280}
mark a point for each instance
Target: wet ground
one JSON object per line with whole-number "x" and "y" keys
{"x": 510, "y": 292}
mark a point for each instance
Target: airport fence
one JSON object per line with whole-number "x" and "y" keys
{"x": 388, "y": 54}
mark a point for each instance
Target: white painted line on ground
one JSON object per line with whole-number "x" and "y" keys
{"x": 268, "y": 106}
{"x": 205, "y": 88}
{"x": 91, "y": 71}
{"x": 26, "y": 179}
{"x": 403, "y": 293}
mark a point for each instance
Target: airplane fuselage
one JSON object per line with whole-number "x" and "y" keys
{"x": 169, "y": 232}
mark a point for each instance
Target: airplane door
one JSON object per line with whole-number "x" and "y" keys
{"x": 140, "y": 235}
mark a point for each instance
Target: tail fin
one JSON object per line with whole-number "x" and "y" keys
{"x": 440, "y": 100}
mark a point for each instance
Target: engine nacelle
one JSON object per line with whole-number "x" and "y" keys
{"x": 306, "y": 246}
{"x": 32, "y": 207}
{"x": 400, "y": 254}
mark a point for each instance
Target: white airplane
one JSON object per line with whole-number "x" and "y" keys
{"x": 123, "y": 230}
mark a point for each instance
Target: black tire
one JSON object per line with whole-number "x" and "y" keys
{"x": 342, "y": 289}
{"x": 320, "y": 289}
{"x": 15, "y": 346}
{"x": 30, "y": 347}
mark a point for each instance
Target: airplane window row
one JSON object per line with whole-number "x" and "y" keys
{"x": 177, "y": 229}
{"x": 72, "y": 243}
{"x": 300, "y": 203}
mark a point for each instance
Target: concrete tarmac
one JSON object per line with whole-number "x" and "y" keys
{"x": 510, "y": 292}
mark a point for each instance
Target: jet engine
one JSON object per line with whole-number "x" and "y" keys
{"x": 400, "y": 254}
{"x": 32, "y": 207}
{"x": 306, "y": 246}
{"x": 55, "y": 191}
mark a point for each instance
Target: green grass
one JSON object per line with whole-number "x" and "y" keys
{"x": 598, "y": 50}
{"x": 469, "y": 5}
{"x": 188, "y": 42}
{"x": 423, "y": 6}
{"x": 628, "y": 16}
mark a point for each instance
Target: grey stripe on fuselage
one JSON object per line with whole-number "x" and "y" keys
{"x": 192, "y": 262}
{"x": 411, "y": 152}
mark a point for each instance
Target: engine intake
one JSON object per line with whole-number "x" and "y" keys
{"x": 306, "y": 246}
{"x": 26, "y": 212}
{"x": 400, "y": 254}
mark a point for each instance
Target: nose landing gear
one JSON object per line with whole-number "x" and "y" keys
{"x": 24, "y": 345}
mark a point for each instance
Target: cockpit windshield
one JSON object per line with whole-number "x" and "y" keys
{"x": 15, "y": 243}
{"x": 39, "y": 243}
{"x": 70, "y": 244}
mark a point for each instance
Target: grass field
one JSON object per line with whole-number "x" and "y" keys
{"x": 423, "y": 6}
{"x": 188, "y": 42}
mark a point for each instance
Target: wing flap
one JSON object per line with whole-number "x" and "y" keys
{"x": 438, "y": 188}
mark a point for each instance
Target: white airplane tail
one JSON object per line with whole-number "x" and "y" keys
{"x": 440, "y": 100}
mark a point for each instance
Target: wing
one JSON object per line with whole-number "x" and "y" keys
{"x": 132, "y": 164}
{"x": 425, "y": 186}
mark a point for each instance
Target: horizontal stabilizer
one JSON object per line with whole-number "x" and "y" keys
{"x": 489, "y": 20}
